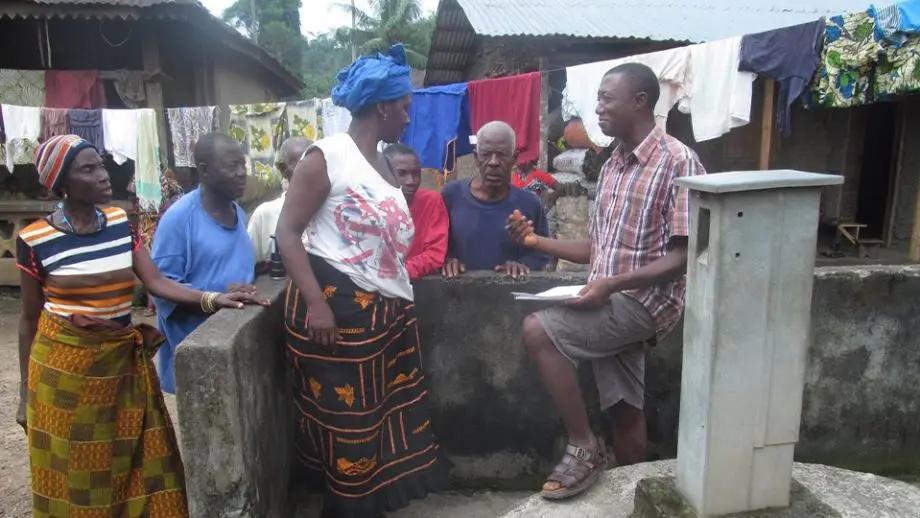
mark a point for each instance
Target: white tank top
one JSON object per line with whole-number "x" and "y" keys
{"x": 364, "y": 228}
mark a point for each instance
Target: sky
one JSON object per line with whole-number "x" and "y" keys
{"x": 321, "y": 16}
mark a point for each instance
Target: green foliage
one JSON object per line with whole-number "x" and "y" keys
{"x": 389, "y": 22}
{"x": 276, "y": 27}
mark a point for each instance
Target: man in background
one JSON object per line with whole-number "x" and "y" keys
{"x": 479, "y": 209}
{"x": 429, "y": 246}
{"x": 265, "y": 218}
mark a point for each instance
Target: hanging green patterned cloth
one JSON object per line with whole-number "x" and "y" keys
{"x": 22, "y": 87}
{"x": 898, "y": 69}
{"x": 850, "y": 51}
{"x": 304, "y": 119}
{"x": 259, "y": 129}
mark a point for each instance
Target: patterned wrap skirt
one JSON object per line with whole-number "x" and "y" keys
{"x": 362, "y": 418}
{"x": 101, "y": 444}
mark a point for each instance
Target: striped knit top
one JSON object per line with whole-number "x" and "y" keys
{"x": 85, "y": 274}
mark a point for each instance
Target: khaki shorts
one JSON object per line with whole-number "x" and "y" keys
{"x": 611, "y": 338}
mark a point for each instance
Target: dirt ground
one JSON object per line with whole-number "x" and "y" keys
{"x": 14, "y": 457}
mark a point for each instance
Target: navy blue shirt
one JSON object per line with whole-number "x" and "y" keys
{"x": 478, "y": 237}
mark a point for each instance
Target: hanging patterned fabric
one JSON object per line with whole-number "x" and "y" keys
{"x": 129, "y": 85}
{"x": 260, "y": 129}
{"x": 22, "y": 87}
{"x": 304, "y": 119}
{"x": 898, "y": 69}
{"x": 186, "y": 126}
{"x": 850, "y": 51}
{"x": 54, "y": 122}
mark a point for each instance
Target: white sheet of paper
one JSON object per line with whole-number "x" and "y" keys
{"x": 559, "y": 293}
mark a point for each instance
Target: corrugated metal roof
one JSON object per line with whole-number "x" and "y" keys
{"x": 125, "y": 3}
{"x": 691, "y": 20}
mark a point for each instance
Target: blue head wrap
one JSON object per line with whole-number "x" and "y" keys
{"x": 373, "y": 79}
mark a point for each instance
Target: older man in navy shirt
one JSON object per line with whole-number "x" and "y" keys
{"x": 479, "y": 210}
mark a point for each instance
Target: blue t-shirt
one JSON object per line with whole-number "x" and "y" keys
{"x": 192, "y": 248}
{"x": 478, "y": 237}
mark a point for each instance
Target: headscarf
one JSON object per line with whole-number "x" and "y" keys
{"x": 373, "y": 79}
{"x": 54, "y": 157}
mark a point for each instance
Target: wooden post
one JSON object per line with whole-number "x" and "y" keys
{"x": 150, "y": 55}
{"x": 545, "y": 91}
{"x": 891, "y": 208}
{"x": 766, "y": 125}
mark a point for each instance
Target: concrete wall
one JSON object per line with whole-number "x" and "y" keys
{"x": 490, "y": 412}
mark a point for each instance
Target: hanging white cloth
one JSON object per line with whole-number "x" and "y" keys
{"x": 119, "y": 128}
{"x": 335, "y": 118}
{"x": 22, "y": 125}
{"x": 583, "y": 82}
{"x": 719, "y": 96}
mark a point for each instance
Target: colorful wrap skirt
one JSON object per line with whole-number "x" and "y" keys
{"x": 101, "y": 444}
{"x": 362, "y": 418}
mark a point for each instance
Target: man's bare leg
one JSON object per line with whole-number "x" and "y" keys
{"x": 629, "y": 433}
{"x": 560, "y": 378}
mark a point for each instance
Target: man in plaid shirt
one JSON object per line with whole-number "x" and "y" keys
{"x": 635, "y": 292}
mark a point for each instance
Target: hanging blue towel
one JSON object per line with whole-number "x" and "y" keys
{"x": 896, "y": 21}
{"x": 439, "y": 125}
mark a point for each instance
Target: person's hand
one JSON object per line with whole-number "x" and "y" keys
{"x": 452, "y": 268}
{"x": 521, "y": 229}
{"x": 321, "y": 326}
{"x": 237, "y": 299}
{"x": 21, "y": 412}
{"x": 242, "y": 288}
{"x": 594, "y": 295}
{"x": 513, "y": 269}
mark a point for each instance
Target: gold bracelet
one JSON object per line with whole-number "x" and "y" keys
{"x": 212, "y": 297}
{"x": 203, "y": 302}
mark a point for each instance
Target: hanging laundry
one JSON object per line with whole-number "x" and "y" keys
{"x": 790, "y": 56}
{"x": 514, "y": 100}
{"x": 87, "y": 124}
{"x": 303, "y": 119}
{"x": 186, "y": 126}
{"x": 129, "y": 85}
{"x": 22, "y": 87}
{"x": 119, "y": 127}
{"x": 583, "y": 81}
{"x": 54, "y": 122}
{"x": 22, "y": 125}
{"x": 718, "y": 94}
{"x": 895, "y": 22}
{"x": 848, "y": 55}
{"x": 259, "y": 128}
{"x": 439, "y": 125}
{"x": 147, "y": 183}
{"x": 898, "y": 70}
{"x": 74, "y": 89}
{"x": 335, "y": 119}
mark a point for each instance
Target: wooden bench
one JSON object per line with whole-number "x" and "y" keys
{"x": 865, "y": 248}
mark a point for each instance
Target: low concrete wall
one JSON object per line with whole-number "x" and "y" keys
{"x": 861, "y": 408}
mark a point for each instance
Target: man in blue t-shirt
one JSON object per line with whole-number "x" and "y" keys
{"x": 479, "y": 210}
{"x": 202, "y": 242}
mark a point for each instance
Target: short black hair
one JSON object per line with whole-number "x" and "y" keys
{"x": 641, "y": 78}
{"x": 208, "y": 145}
{"x": 399, "y": 149}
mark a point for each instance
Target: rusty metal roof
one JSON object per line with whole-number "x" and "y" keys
{"x": 191, "y": 11}
{"x": 461, "y": 22}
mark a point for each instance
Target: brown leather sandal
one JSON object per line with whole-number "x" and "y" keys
{"x": 578, "y": 470}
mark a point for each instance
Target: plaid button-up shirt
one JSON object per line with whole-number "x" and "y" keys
{"x": 637, "y": 211}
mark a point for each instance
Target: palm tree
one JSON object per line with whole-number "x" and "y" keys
{"x": 389, "y": 22}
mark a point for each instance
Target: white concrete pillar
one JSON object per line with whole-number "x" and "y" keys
{"x": 746, "y": 334}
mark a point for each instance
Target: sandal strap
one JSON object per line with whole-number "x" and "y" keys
{"x": 576, "y": 465}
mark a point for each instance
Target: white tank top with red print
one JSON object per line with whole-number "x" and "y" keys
{"x": 364, "y": 228}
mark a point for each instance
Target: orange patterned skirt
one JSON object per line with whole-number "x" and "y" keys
{"x": 100, "y": 441}
{"x": 362, "y": 417}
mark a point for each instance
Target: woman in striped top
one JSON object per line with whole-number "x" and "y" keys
{"x": 100, "y": 441}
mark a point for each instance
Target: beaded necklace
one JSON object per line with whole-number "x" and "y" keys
{"x": 100, "y": 219}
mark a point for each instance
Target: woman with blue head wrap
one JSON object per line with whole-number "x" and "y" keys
{"x": 359, "y": 388}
